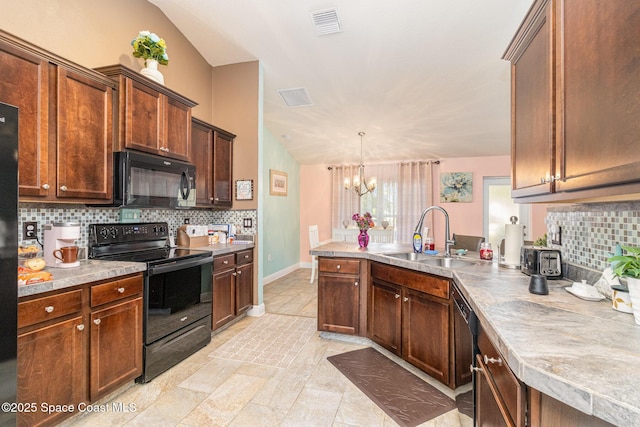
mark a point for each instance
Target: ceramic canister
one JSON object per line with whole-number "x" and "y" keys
{"x": 620, "y": 299}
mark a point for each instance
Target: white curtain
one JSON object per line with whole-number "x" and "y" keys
{"x": 414, "y": 196}
{"x": 403, "y": 191}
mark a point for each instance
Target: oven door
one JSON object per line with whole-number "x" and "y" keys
{"x": 177, "y": 294}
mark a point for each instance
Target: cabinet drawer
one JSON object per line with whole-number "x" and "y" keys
{"x": 341, "y": 266}
{"x": 505, "y": 385}
{"x": 244, "y": 257}
{"x": 223, "y": 262}
{"x": 113, "y": 291}
{"x": 422, "y": 282}
{"x": 47, "y": 308}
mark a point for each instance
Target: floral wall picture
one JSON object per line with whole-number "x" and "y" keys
{"x": 456, "y": 187}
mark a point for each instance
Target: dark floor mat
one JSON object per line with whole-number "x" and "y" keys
{"x": 464, "y": 402}
{"x": 400, "y": 394}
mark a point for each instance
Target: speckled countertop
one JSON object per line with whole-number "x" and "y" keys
{"x": 582, "y": 353}
{"x": 94, "y": 270}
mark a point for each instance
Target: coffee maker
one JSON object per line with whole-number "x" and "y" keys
{"x": 59, "y": 235}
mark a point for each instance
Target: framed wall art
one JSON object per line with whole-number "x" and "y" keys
{"x": 278, "y": 183}
{"x": 456, "y": 187}
{"x": 244, "y": 189}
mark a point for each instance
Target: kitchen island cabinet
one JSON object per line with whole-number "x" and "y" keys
{"x": 575, "y": 85}
{"x": 339, "y": 292}
{"x": 151, "y": 117}
{"x": 66, "y": 125}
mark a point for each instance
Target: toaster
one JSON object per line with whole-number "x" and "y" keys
{"x": 540, "y": 260}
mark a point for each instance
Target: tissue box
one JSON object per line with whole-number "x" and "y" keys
{"x": 191, "y": 241}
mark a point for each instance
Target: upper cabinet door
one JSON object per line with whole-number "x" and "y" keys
{"x": 532, "y": 121}
{"x": 202, "y": 154}
{"x": 24, "y": 82}
{"x": 598, "y": 98}
{"x": 177, "y": 130}
{"x": 85, "y": 137}
{"x": 222, "y": 169}
{"x": 143, "y": 121}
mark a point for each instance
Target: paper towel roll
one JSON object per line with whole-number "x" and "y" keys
{"x": 513, "y": 241}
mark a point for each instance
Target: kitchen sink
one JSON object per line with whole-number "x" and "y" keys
{"x": 438, "y": 261}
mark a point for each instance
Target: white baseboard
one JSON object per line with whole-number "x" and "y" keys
{"x": 256, "y": 310}
{"x": 278, "y": 274}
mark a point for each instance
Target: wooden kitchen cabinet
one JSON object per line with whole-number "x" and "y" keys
{"x": 77, "y": 345}
{"x": 575, "y": 86}
{"x": 51, "y": 356}
{"x": 151, "y": 117}
{"x": 116, "y": 334}
{"x": 411, "y": 315}
{"x": 232, "y": 286}
{"x": 339, "y": 295}
{"x": 212, "y": 150}
{"x": 65, "y": 140}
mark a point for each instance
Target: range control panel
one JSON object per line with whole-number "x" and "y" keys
{"x": 103, "y": 234}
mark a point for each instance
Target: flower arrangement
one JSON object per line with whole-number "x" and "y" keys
{"x": 364, "y": 222}
{"x": 148, "y": 45}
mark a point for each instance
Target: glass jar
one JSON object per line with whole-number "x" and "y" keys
{"x": 486, "y": 252}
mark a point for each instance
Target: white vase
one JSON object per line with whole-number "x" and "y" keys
{"x": 634, "y": 293}
{"x": 151, "y": 71}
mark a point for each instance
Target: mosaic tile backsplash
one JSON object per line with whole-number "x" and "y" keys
{"x": 590, "y": 232}
{"x": 47, "y": 214}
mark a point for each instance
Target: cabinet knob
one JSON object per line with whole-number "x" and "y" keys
{"x": 80, "y": 327}
{"x": 239, "y": 272}
{"x": 97, "y": 321}
{"x": 492, "y": 360}
{"x": 397, "y": 296}
{"x": 184, "y": 319}
{"x": 216, "y": 199}
{"x": 356, "y": 284}
{"x": 45, "y": 186}
{"x": 63, "y": 188}
{"x": 405, "y": 299}
{"x": 234, "y": 273}
{"x": 246, "y": 257}
{"x": 120, "y": 290}
{"x": 338, "y": 267}
{"x": 49, "y": 309}
{"x": 473, "y": 369}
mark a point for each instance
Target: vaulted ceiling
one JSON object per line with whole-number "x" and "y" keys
{"x": 423, "y": 79}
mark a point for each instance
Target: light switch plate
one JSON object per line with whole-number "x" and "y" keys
{"x": 130, "y": 215}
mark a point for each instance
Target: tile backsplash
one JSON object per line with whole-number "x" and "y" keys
{"x": 590, "y": 232}
{"x": 47, "y": 214}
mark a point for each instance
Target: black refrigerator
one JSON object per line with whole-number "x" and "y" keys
{"x": 8, "y": 261}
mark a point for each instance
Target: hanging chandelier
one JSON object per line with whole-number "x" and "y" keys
{"x": 360, "y": 184}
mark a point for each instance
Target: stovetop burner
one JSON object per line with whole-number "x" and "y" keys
{"x": 143, "y": 242}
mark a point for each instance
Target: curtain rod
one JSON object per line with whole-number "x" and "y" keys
{"x": 437, "y": 162}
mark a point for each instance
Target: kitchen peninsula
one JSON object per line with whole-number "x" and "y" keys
{"x": 578, "y": 353}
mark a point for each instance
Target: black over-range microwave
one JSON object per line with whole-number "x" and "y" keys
{"x": 145, "y": 180}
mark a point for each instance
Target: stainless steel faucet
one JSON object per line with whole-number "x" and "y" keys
{"x": 447, "y": 238}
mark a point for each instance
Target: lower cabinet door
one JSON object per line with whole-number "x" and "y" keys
{"x": 338, "y": 303}
{"x": 244, "y": 288}
{"x": 224, "y": 303}
{"x": 385, "y": 315}
{"x": 116, "y": 346}
{"x": 51, "y": 371}
{"x": 488, "y": 410}
{"x": 425, "y": 333}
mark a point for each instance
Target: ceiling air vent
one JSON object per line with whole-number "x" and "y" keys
{"x": 326, "y": 22}
{"x": 297, "y": 97}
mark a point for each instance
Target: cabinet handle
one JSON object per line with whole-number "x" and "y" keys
{"x": 246, "y": 257}
{"x": 216, "y": 199}
{"x": 45, "y": 186}
{"x": 356, "y": 284}
{"x": 184, "y": 319}
{"x": 63, "y": 188}
{"x": 397, "y": 296}
{"x": 80, "y": 327}
{"x": 225, "y": 262}
{"x": 120, "y": 290}
{"x": 49, "y": 309}
{"x": 473, "y": 369}
{"x": 405, "y": 299}
{"x": 97, "y": 321}
{"x": 492, "y": 360}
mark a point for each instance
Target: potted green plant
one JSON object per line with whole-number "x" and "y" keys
{"x": 627, "y": 267}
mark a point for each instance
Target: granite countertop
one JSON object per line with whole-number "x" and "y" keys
{"x": 94, "y": 270}
{"x": 582, "y": 353}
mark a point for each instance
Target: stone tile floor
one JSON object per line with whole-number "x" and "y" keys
{"x": 209, "y": 391}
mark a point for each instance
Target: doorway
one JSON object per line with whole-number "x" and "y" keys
{"x": 498, "y": 207}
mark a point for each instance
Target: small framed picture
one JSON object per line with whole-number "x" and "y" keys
{"x": 278, "y": 183}
{"x": 244, "y": 189}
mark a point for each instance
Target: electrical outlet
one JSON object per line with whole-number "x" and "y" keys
{"x": 29, "y": 230}
{"x": 186, "y": 220}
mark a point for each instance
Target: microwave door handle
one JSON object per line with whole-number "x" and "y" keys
{"x": 184, "y": 186}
